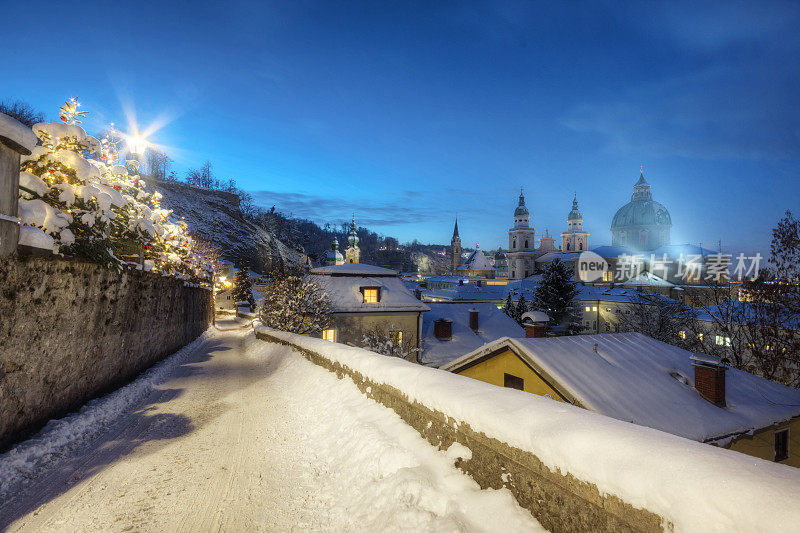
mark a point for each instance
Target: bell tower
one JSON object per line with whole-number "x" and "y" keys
{"x": 574, "y": 239}
{"x": 521, "y": 245}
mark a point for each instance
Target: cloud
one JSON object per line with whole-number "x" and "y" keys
{"x": 401, "y": 208}
{"x": 741, "y": 111}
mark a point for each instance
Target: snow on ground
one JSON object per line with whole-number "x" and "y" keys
{"x": 23, "y": 462}
{"x": 244, "y": 435}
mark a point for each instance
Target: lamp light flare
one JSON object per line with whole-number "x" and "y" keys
{"x": 136, "y": 144}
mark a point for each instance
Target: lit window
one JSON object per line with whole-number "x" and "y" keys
{"x": 782, "y": 445}
{"x": 682, "y": 334}
{"x": 372, "y": 295}
{"x": 329, "y": 335}
{"x": 700, "y": 336}
{"x": 588, "y": 308}
{"x": 722, "y": 341}
{"x": 594, "y": 308}
{"x": 608, "y": 276}
{"x": 396, "y": 336}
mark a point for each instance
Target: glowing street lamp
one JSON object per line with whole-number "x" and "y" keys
{"x": 137, "y": 144}
{"x": 136, "y": 147}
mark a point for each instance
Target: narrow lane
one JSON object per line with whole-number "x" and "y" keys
{"x": 247, "y": 436}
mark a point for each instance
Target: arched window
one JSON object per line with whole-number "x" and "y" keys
{"x": 514, "y": 244}
{"x": 567, "y": 245}
{"x": 526, "y": 243}
{"x": 580, "y": 246}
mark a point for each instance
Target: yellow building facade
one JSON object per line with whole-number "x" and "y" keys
{"x": 505, "y": 368}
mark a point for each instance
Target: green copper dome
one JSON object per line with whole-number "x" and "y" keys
{"x": 642, "y": 210}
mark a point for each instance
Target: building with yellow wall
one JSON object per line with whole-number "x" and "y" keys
{"x": 638, "y": 379}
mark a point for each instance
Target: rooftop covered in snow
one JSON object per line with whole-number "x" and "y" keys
{"x": 632, "y": 377}
{"x": 344, "y": 284}
{"x": 492, "y": 324}
{"x": 354, "y": 269}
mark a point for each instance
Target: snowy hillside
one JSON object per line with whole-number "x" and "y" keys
{"x": 215, "y": 216}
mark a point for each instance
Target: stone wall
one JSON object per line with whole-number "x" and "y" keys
{"x": 71, "y": 330}
{"x": 559, "y": 501}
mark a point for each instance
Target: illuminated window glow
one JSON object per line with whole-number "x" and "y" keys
{"x": 371, "y": 295}
{"x": 329, "y": 335}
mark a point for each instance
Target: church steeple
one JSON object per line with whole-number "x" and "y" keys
{"x": 455, "y": 249}
{"x": 574, "y": 239}
{"x": 353, "y": 253}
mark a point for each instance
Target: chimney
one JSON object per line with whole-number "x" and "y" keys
{"x": 418, "y": 294}
{"x": 534, "y": 331}
{"x": 443, "y": 328}
{"x": 473, "y": 319}
{"x": 709, "y": 378}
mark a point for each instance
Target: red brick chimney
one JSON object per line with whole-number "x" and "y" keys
{"x": 443, "y": 328}
{"x": 473, "y": 319}
{"x": 533, "y": 331}
{"x": 709, "y": 378}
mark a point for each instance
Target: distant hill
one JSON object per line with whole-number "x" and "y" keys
{"x": 215, "y": 216}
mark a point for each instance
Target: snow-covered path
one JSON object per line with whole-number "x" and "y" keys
{"x": 246, "y": 435}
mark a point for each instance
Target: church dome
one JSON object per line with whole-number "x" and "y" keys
{"x": 642, "y": 210}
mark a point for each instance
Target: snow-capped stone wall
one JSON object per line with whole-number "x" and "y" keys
{"x": 71, "y": 330}
{"x": 575, "y": 470}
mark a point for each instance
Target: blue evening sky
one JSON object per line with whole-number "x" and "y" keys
{"x": 410, "y": 113}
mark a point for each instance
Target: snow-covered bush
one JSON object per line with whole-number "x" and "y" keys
{"x": 292, "y": 302}
{"x": 75, "y": 200}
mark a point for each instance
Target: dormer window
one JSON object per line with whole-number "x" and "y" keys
{"x": 372, "y": 295}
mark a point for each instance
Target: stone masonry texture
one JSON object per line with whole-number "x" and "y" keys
{"x": 70, "y": 331}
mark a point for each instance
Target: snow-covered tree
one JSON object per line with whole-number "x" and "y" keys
{"x": 556, "y": 294}
{"x": 509, "y": 308}
{"x": 520, "y": 309}
{"x": 386, "y": 339}
{"x": 292, "y": 302}
{"x": 243, "y": 286}
{"x": 76, "y": 200}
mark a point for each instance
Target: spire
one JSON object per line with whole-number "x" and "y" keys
{"x": 455, "y": 229}
{"x": 521, "y": 197}
{"x": 641, "y": 181}
{"x": 352, "y": 238}
{"x": 641, "y": 190}
{"x": 575, "y": 202}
